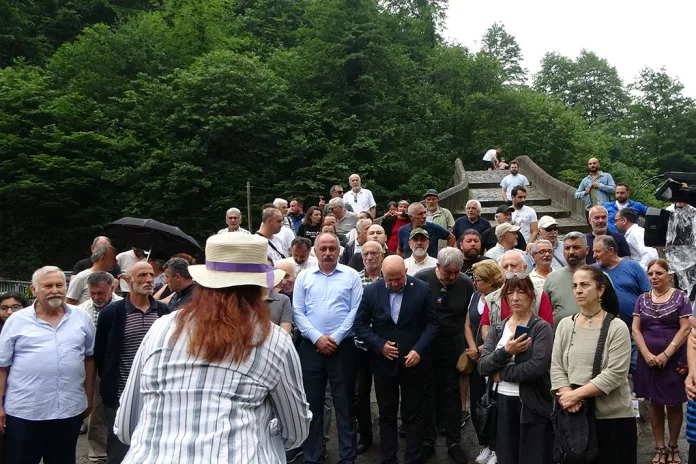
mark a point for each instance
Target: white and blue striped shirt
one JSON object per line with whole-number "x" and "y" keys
{"x": 179, "y": 408}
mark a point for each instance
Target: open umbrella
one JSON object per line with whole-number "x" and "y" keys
{"x": 149, "y": 234}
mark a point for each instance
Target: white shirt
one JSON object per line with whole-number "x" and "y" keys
{"x": 538, "y": 279}
{"x": 282, "y": 241}
{"x": 498, "y": 251}
{"x": 524, "y": 217}
{"x": 226, "y": 230}
{"x": 413, "y": 267}
{"x": 78, "y": 289}
{"x": 635, "y": 237}
{"x": 507, "y": 388}
{"x": 125, "y": 260}
{"x": 211, "y": 412}
{"x": 509, "y": 182}
{"x": 361, "y": 201}
{"x": 490, "y": 155}
{"x": 311, "y": 261}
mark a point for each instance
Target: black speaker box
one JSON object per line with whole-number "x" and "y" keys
{"x": 656, "y": 221}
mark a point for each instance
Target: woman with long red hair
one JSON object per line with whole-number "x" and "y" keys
{"x": 216, "y": 381}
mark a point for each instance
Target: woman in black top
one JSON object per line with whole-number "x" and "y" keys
{"x": 311, "y": 225}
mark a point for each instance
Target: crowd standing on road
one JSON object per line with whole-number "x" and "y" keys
{"x": 247, "y": 357}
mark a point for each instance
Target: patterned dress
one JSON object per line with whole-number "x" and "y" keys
{"x": 659, "y": 323}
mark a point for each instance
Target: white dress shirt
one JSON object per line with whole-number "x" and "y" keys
{"x": 635, "y": 237}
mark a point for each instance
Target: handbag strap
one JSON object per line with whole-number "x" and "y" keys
{"x": 599, "y": 354}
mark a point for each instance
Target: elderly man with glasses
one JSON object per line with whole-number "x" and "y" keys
{"x": 548, "y": 230}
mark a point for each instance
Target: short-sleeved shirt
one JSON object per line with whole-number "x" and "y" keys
{"x": 509, "y": 182}
{"x": 434, "y": 231}
{"x": 524, "y": 217}
{"x": 361, "y": 201}
{"x": 137, "y": 325}
{"x": 78, "y": 289}
{"x": 47, "y": 364}
{"x": 280, "y": 307}
{"x": 630, "y": 280}
{"x": 347, "y": 223}
{"x": 463, "y": 224}
{"x": 490, "y": 155}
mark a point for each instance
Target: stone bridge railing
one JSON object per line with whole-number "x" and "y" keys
{"x": 455, "y": 198}
{"x": 560, "y": 193}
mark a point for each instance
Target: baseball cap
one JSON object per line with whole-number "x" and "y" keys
{"x": 504, "y": 228}
{"x": 504, "y": 209}
{"x": 546, "y": 221}
{"x": 431, "y": 193}
{"x": 418, "y": 231}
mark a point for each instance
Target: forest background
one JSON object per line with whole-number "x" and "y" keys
{"x": 165, "y": 109}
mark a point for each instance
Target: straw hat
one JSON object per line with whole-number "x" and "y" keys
{"x": 235, "y": 259}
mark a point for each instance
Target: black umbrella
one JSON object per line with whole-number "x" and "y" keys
{"x": 149, "y": 234}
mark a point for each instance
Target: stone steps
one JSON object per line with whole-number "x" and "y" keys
{"x": 484, "y": 186}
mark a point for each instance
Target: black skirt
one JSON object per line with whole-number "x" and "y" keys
{"x": 618, "y": 441}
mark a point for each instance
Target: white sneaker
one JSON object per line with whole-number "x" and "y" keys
{"x": 493, "y": 459}
{"x": 484, "y": 456}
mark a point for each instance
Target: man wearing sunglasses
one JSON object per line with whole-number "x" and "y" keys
{"x": 548, "y": 230}
{"x": 336, "y": 191}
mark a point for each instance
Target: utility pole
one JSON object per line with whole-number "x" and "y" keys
{"x": 249, "y": 206}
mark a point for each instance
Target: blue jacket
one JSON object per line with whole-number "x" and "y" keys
{"x": 640, "y": 208}
{"x": 296, "y": 221}
{"x": 606, "y": 188}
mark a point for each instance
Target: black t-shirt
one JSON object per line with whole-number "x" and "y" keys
{"x": 310, "y": 232}
{"x": 489, "y": 239}
{"x": 452, "y": 306}
{"x": 468, "y": 263}
{"x": 86, "y": 263}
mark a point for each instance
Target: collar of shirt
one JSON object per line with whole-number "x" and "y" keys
{"x": 336, "y": 269}
{"x": 66, "y": 308}
{"x": 131, "y": 308}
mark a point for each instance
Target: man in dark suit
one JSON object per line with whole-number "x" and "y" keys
{"x": 397, "y": 321}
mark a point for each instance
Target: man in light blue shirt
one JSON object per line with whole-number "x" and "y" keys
{"x": 597, "y": 188}
{"x": 325, "y": 300}
{"x": 47, "y": 351}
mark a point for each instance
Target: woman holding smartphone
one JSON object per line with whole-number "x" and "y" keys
{"x": 573, "y": 358}
{"x": 517, "y": 355}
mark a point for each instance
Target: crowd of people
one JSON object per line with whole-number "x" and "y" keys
{"x": 251, "y": 355}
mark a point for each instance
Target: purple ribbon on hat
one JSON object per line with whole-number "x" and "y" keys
{"x": 242, "y": 267}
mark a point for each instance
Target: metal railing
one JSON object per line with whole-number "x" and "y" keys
{"x": 14, "y": 286}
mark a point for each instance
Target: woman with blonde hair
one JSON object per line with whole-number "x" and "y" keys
{"x": 488, "y": 277}
{"x": 216, "y": 381}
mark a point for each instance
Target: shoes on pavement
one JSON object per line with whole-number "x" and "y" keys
{"x": 293, "y": 454}
{"x": 83, "y": 428}
{"x": 465, "y": 416}
{"x": 493, "y": 459}
{"x": 427, "y": 450}
{"x": 457, "y": 454}
{"x": 484, "y": 456}
{"x": 364, "y": 444}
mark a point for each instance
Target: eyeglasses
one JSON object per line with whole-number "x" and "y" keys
{"x": 550, "y": 228}
{"x": 519, "y": 275}
{"x": 543, "y": 252}
{"x": 477, "y": 281}
{"x": 14, "y": 307}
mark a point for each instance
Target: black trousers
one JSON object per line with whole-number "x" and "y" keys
{"x": 477, "y": 388}
{"x": 518, "y": 443}
{"x": 339, "y": 370}
{"x": 692, "y": 454}
{"x": 27, "y": 442}
{"x": 412, "y": 391}
{"x": 618, "y": 441}
{"x": 115, "y": 450}
{"x": 363, "y": 388}
{"x": 442, "y": 381}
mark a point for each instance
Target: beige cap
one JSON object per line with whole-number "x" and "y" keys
{"x": 504, "y": 228}
{"x": 546, "y": 221}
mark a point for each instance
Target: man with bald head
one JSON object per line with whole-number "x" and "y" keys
{"x": 597, "y": 188}
{"x": 121, "y": 327}
{"x": 397, "y": 321}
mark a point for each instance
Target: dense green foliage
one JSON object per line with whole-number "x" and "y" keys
{"x": 167, "y": 109}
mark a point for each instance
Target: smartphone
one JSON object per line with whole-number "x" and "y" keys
{"x": 521, "y": 330}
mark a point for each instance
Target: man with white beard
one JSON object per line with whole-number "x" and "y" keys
{"x": 418, "y": 242}
{"x": 46, "y": 374}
